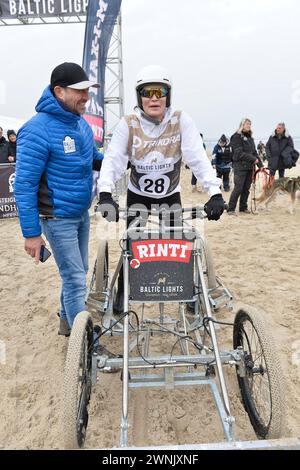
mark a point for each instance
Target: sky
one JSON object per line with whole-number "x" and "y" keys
{"x": 228, "y": 59}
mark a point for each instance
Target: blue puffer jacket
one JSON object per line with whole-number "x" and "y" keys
{"x": 55, "y": 154}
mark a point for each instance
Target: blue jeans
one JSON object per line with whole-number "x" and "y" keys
{"x": 68, "y": 238}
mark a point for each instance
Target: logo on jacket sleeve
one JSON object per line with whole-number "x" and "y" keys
{"x": 69, "y": 145}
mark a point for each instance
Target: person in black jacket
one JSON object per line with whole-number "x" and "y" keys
{"x": 3, "y": 148}
{"x": 12, "y": 145}
{"x": 280, "y": 149}
{"x": 244, "y": 159}
{"x": 2, "y": 138}
{"x": 222, "y": 160}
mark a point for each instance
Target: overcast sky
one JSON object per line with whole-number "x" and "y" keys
{"x": 228, "y": 58}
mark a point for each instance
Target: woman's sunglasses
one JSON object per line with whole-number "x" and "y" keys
{"x": 149, "y": 92}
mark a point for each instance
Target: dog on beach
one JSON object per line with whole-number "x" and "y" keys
{"x": 282, "y": 185}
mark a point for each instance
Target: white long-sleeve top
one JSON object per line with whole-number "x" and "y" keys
{"x": 193, "y": 154}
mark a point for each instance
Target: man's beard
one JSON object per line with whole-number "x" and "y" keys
{"x": 72, "y": 108}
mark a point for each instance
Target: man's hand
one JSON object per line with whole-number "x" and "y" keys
{"x": 108, "y": 208}
{"x": 11, "y": 159}
{"x": 259, "y": 163}
{"x": 33, "y": 247}
{"x": 214, "y": 208}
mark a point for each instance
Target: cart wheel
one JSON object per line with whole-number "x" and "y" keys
{"x": 77, "y": 381}
{"x": 208, "y": 264}
{"x": 102, "y": 267}
{"x": 261, "y": 384}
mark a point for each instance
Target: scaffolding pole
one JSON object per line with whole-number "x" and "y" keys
{"x": 114, "y": 84}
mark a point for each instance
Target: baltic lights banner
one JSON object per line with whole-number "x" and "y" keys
{"x": 34, "y": 8}
{"x": 100, "y": 21}
{"x": 161, "y": 270}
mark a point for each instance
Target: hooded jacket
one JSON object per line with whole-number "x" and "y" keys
{"x": 244, "y": 151}
{"x": 276, "y": 148}
{"x": 3, "y": 150}
{"x": 222, "y": 156}
{"x": 55, "y": 155}
{"x": 12, "y": 149}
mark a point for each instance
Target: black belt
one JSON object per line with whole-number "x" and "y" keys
{"x": 47, "y": 217}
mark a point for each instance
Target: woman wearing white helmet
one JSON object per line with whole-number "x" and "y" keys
{"x": 155, "y": 139}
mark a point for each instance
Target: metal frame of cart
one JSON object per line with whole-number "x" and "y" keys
{"x": 254, "y": 362}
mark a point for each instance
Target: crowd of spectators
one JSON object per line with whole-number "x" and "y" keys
{"x": 8, "y": 147}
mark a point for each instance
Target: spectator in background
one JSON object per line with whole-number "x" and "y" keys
{"x": 245, "y": 158}
{"x": 279, "y": 148}
{"x": 2, "y": 138}
{"x": 261, "y": 148}
{"x": 3, "y": 148}
{"x": 12, "y": 145}
{"x": 222, "y": 161}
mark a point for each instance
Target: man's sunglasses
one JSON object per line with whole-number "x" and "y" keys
{"x": 149, "y": 92}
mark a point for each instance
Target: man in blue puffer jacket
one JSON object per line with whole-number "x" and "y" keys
{"x": 56, "y": 156}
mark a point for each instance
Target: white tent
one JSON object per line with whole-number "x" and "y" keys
{"x": 10, "y": 123}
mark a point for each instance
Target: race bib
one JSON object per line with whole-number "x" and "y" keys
{"x": 157, "y": 185}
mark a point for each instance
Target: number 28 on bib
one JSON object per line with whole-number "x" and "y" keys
{"x": 154, "y": 185}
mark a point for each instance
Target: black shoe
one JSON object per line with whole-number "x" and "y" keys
{"x": 246, "y": 211}
{"x": 64, "y": 329}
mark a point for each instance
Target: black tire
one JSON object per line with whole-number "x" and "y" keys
{"x": 208, "y": 264}
{"x": 261, "y": 387}
{"x": 78, "y": 381}
{"x": 101, "y": 270}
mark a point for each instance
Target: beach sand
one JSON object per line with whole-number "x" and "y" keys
{"x": 257, "y": 258}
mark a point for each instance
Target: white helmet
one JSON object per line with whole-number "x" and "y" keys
{"x": 153, "y": 74}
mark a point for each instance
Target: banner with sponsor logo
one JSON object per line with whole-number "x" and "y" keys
{"x": 35, "y": 8}
{"x": 161, "y": 270}
{"x": 100, "y": 21}
{"x": 8, "y": 207}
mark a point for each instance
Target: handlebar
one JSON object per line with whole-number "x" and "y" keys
{"x": 163, "y": 210}
{"x": 194, "y": 211}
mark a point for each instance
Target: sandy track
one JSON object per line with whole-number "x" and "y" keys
{"x": 257, "y": 257}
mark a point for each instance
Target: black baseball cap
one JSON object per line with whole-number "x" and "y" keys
{"x": 71, "y": 75}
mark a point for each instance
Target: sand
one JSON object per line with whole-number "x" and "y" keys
{"x": 257, "y": 258}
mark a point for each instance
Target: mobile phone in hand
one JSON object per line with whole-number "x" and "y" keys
{"x": 44, "y": 254}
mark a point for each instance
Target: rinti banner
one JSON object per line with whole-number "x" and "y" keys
{"x": 35, "y": 8}
{"x": 161, "y": 270}
{"x": 100, "y": 21}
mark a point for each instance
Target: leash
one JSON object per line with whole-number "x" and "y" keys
{"x": 267, "y": 182}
